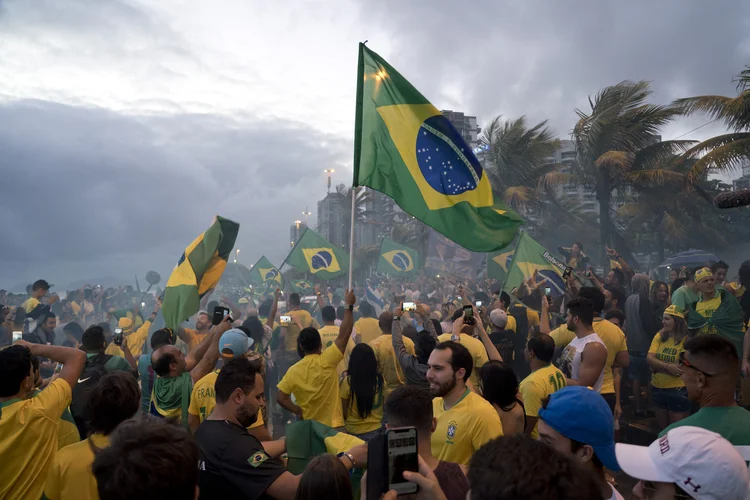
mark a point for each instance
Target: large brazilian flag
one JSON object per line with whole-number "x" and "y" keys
{"x": 265, "y": 273}
{"x": 529, "y": 258}
{"x": 198, "y": 271}
{"x": 314, "y": 254}
{"x": 498, "y": 264}
{"x": 398, "y": 260}
{"x": 303, "y": 287}
{"x": 404, "y": 147}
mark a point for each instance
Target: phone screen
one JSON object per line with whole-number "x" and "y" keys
{"x": 219, "y": 314}
{"x": 118, "y": 336}
{"x": 17, "y": 335}
{"x": 402, "y": 456}
{"x": 409, "y": 306}
{"x": 478, "y": 303}
{"x": 547, "y": 291}
{"x": 285, "y": 320}
{"x": 468, "y": 311}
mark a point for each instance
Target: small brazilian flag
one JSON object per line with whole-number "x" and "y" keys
{"x": 498, "y": 264}
{"x": 265, "y": 273}
{"x": 396, "y": 259}
{"x": 302, "y": 287}
{"x": 530, "y": 257}
{"x": 198, "y": 271}
{"x": 404, "y": 147}
{"x": 314, "y": 254}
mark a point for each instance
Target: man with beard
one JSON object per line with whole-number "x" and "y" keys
{"x": 233, "y": 463}
{"x": 194, "y": 337}
{"x": 465, "y": 420}
{"x": 584, "y": 359}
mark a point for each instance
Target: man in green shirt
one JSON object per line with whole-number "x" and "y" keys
{"x": 687, "y": 293}
{"x": 93, "y": 342}
{"x": 710, "y": 369}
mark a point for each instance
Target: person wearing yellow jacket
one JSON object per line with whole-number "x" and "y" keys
{"x": 134, "y": 340}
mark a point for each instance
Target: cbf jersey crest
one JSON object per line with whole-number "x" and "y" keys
{"x": 452, "y": 427}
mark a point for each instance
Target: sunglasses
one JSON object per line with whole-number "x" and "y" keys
{"x": 682, "y": 361}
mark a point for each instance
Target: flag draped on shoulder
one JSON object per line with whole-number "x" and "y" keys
{"x": 531, "y": 258}
{"x": 198, "y": 271}
{"x": 314, "y": 254}
{"x": 398, "y": 260}
{"x": 265, "y": 273}
{"x": 404, "y": 147}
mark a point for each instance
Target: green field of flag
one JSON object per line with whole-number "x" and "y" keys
{"x": 198, "y": 271}
{"x": 529, "y": 258}
{"x": 404, "y": 147}
{"x": 314, "y": 254}
{"x": 265, "y": 273}
{"x": 397, "y": 259}
{"x": 498, "y": 264}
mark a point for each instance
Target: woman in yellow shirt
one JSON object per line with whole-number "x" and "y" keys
{"x": 361, "y": 392}
{"x": 668, "y": 393}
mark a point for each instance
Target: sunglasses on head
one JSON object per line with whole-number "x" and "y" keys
{"x": 683, "y": 361}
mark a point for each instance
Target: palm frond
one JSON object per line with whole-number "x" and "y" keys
{"x": 726, "y": 159}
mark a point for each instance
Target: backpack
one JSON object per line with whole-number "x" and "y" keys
{"x": 92, "y": 372}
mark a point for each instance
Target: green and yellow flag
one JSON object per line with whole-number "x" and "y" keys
{"x": 314, "y": 254}
{"x": 530, "y": 257}
{"x": 404, "y": 147}
{"x": 498, "y": 264}
{"x": 198, "y": 271}
{"x": 265, "y": 273}
{"x": 302, "y": 287}
{"x": 398, "y": 260}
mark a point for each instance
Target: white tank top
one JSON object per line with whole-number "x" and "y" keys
{"x": 570, "y": 360}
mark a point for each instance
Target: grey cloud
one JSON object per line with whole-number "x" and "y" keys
{"x": 98, "y": 193}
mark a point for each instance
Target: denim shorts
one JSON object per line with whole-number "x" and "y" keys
{"x": 674, "y": 400}
{"x": 638, "y": 368}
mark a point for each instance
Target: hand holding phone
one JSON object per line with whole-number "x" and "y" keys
{"x": 285, "y": 320}
{"x": 408, "y": 306}
{"x": 219, "y": 314}
{"x": 118, "y": 338}
{"x": 17, "y": 335}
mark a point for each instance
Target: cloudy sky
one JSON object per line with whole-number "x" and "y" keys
{"x": 125, "y": 125}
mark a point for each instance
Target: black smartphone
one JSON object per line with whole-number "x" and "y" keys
{"x": 219, "y": 314}
{"x": 468, "y": 311}
{"x": 567, "y": 272}
{"x": 117, "y": 340}
{"x": 402, "y": 456}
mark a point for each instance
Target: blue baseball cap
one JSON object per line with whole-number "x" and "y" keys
{"x": 234, "y": 343}
{"x": 582, "y": 414}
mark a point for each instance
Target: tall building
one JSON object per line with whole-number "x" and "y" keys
{"x": 466, "y": 126}
{"x": 332, "y": 219}
{"x": 295, "y": 231}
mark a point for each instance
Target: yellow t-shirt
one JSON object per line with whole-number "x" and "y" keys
{"x": 292, "y": 332}
{"x": 613, "y": 338}
{"x": 368, "y": 329}
{"x": 194, "y": 338}
{"x": 511, "y": 324}
{"x": 355, "y": 424}
{"x": 537, "y": 386}
{"x": 388, "y": 364}
{"x": 76, "y": 308}
{"x": 313, "y": 382}
{"x": 667, "y": 351}
{"x": 135, "y": 342}
{"x": 533, "y": 318}
{"x": 30, "y": 304}
{"x": 70, "y": 475}
{"x": 203, "y": 399}
{"x": 706, "y": 308}
{"x": 463, "y": 429}
{"x": 328, "y": 334}
{"x": 476, "y": 349}
{"x": 28, "y": 440}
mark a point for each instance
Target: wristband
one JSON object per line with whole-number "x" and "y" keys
{"x": 350, "y": 307}
{"x": 347, "y": 455}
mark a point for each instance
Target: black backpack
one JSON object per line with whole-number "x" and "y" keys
{"x": 92, "y": 372}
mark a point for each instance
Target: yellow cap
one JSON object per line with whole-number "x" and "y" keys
{"x": 675, "y": 311}
{"x": 703, "y": 273}
{"x": 126, "y": 324}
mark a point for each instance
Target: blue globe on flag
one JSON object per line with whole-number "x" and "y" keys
{"x": 321, "y": 260}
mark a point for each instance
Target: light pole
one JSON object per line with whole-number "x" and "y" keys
{"x": 306, "y": 213}
{"x": 329, "y": 171}
{"x": 236, "y": 255}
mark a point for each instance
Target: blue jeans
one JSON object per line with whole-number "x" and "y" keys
{"x": 674, "y": 400}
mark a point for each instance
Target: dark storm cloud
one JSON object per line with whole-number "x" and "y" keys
{"x": 86, "y": 188}
{"x": 543, "y": 58}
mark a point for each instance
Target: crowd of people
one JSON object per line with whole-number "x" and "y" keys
{"x": 513, "y": 393}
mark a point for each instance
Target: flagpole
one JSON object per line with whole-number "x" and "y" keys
{"x": 351, "y": 238}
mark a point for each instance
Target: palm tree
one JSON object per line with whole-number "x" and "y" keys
{"x": 724, "y": 152}
{"x": 618, "y": 147}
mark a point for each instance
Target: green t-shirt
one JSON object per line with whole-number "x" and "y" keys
{"x": 683, "y": 297}
{"x": 731, "y": 422}
{"x": 113, "y": 364}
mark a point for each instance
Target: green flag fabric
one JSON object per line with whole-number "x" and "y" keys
{"x": 529, "y": 258}
{"x": 398, "y": 260}
{"x": 265, "y": 273}
{"x": 302, "y": 287}
{"x": 404, "y": 147}
{"x": 314, "y": 254}
{"x": 726, "y": 320}
{"x": 198, "y": 271}
{"x": 498, "y": 264}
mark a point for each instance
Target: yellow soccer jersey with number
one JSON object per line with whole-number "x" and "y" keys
{"x": 203, "y": 399}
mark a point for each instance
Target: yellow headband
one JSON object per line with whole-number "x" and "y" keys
{"x": 703, "y": 274}
{"x": 674, "y": 311}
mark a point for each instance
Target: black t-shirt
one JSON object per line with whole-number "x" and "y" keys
{"x": 233, "y": 463}
{"x": 503, "y": 342}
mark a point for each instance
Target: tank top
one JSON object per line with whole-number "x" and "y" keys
{"x": 452, "y": 480}
{"x": 571, "y": 358}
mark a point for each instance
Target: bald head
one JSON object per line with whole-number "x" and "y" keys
{"x": 167, "y": 361}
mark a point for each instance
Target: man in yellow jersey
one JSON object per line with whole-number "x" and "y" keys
{"x": 544, "y": 379}
{"x": 465, "y": 420}
{"x": 114, "y": 399}
{"x": 33, "y": 305}
{"x": 329, "y": 332}
{"x": 29, "y": 427}
{"x": 388, "y": 364}
{"x": 474, "y": 345}
{"x": 313, "y": 380}
{"x": 300, "y": 319}
{"x": 612, "y": 336}
{"x": 709, "y": 300}
{"x": 177, "y": 373}
{"x": 193, "y": 337}
{"x": 232, "y": 344}
{"x": 135, "y": 340}
{"x": 367, "y": 327}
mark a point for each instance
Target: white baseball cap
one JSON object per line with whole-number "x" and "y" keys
{"x": 701, "y": 462}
